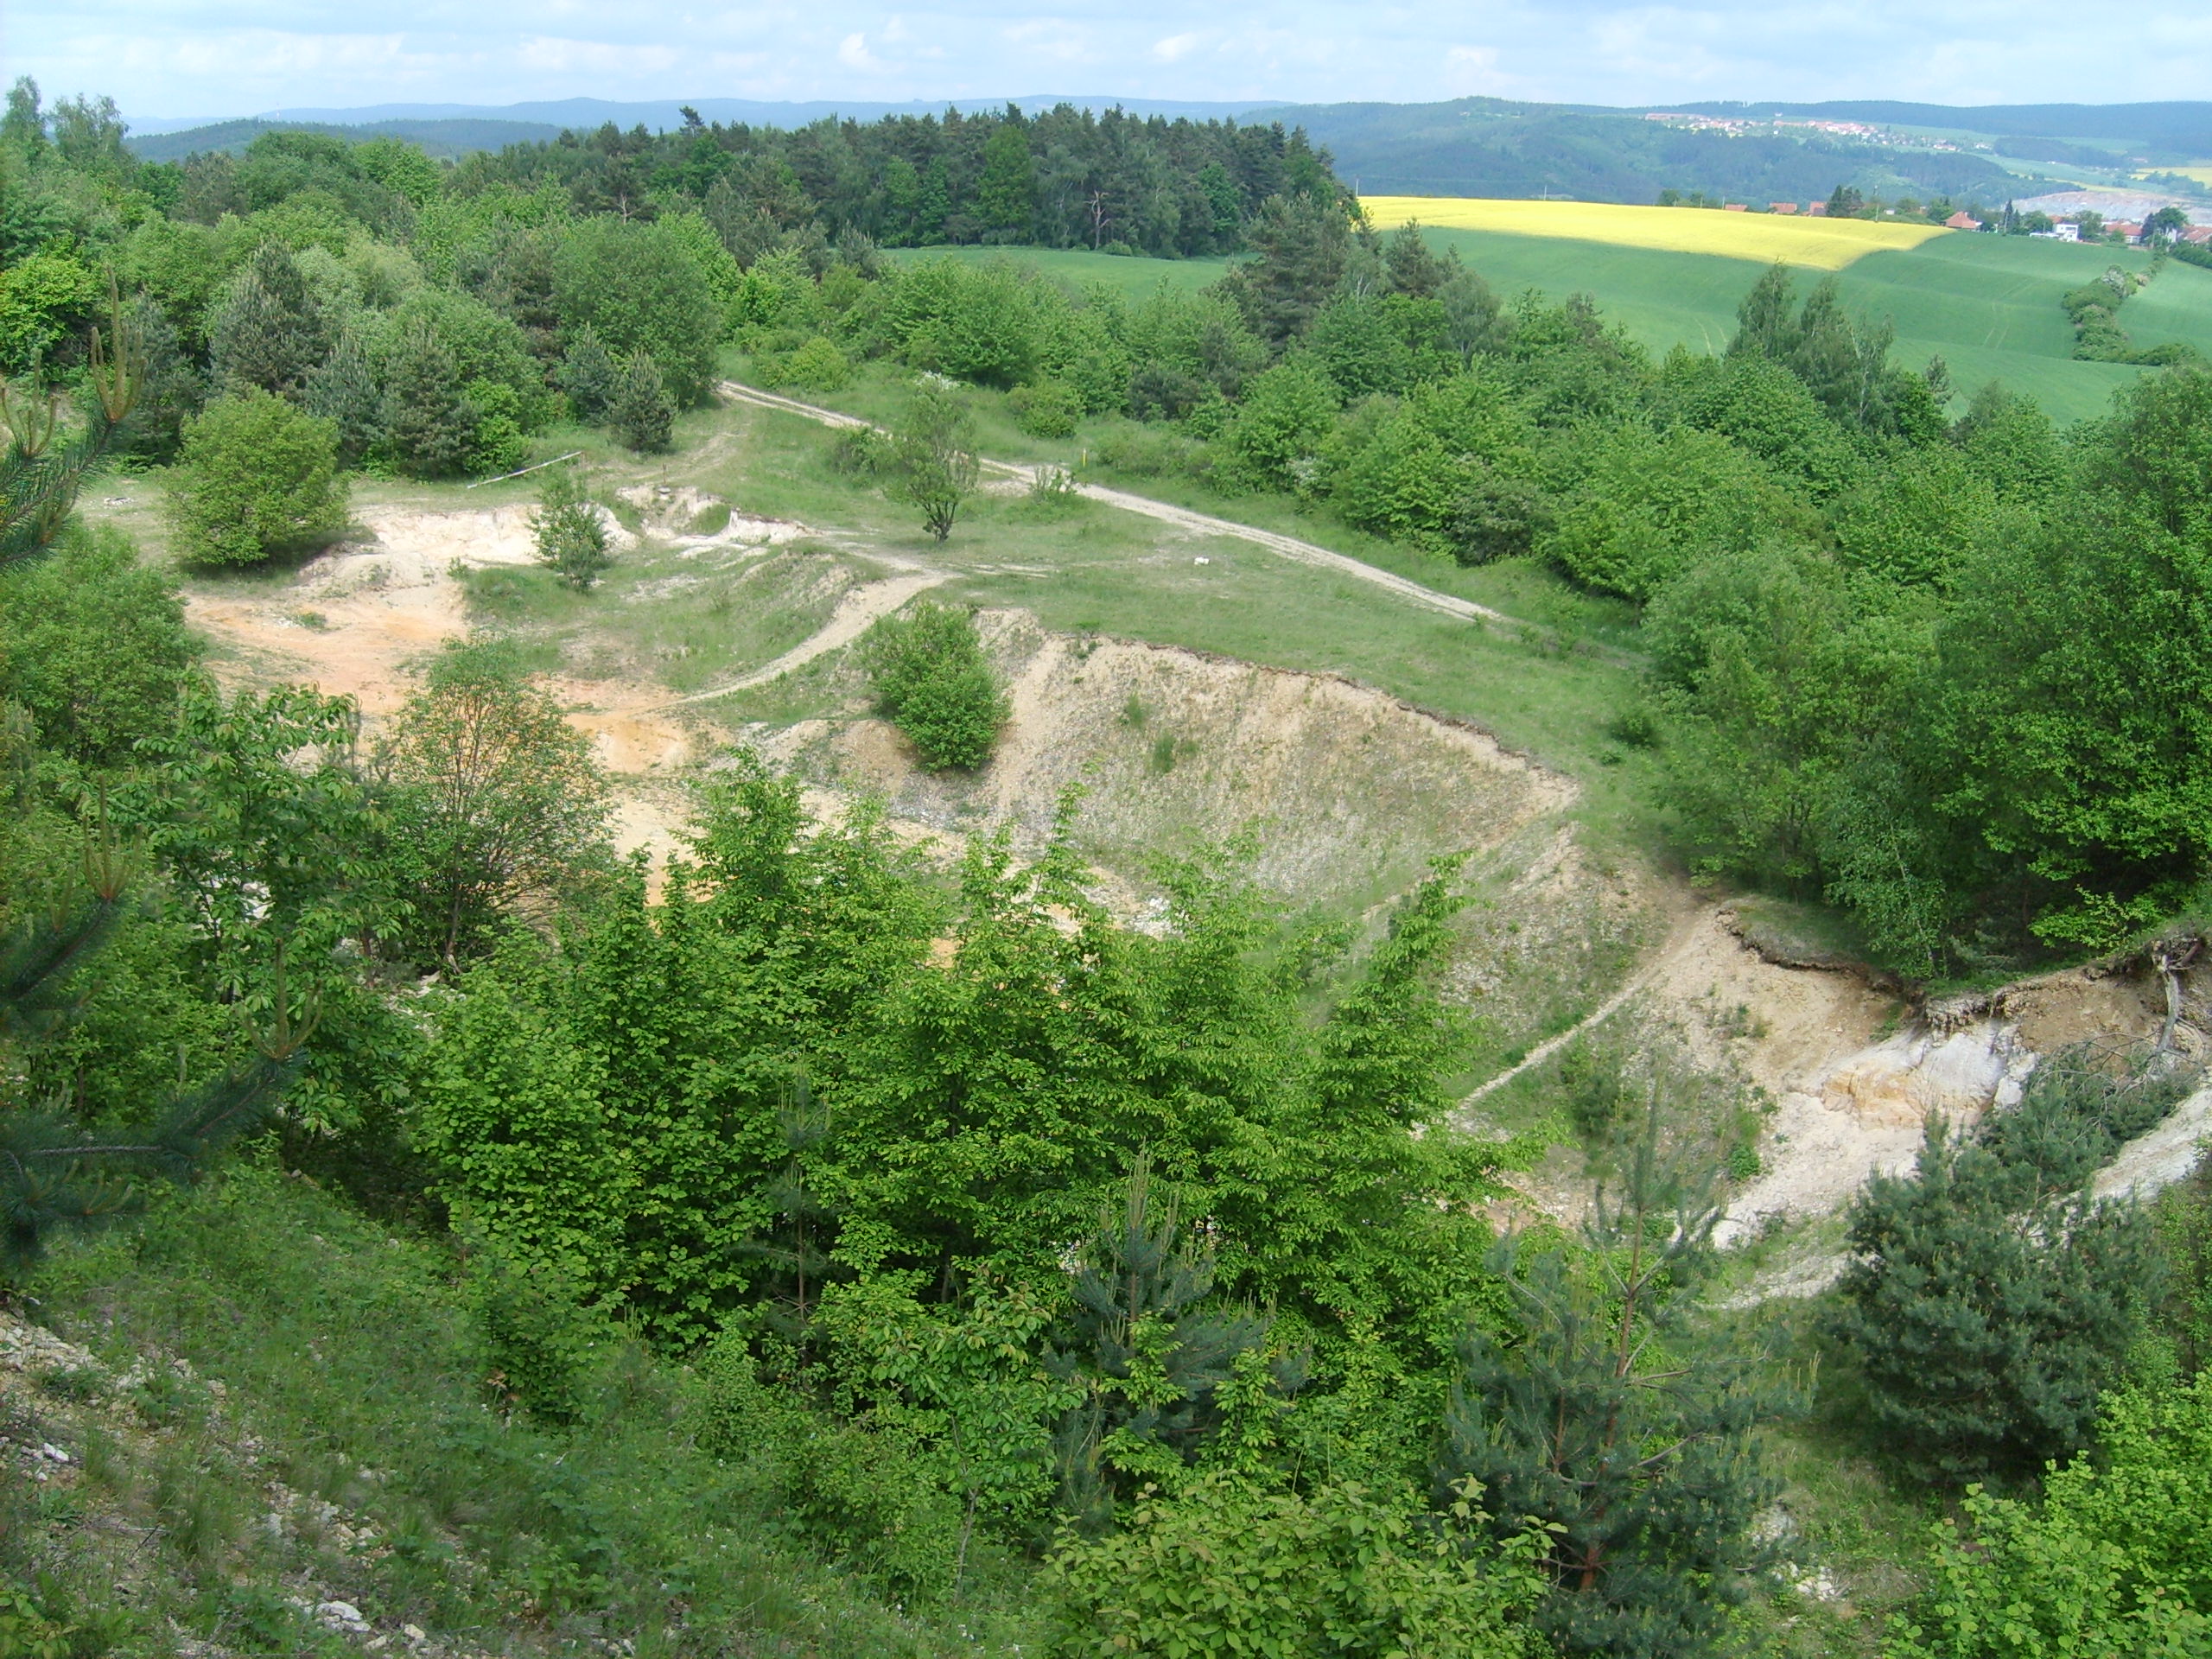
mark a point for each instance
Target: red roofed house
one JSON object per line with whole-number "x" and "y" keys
{"x": 1962, "y": 221}
{"x": 1736, "y": 207}
{"x": 2126, "y": 228}
{"x": 1782, "y": 206}
{"x": 1817, "y": 209}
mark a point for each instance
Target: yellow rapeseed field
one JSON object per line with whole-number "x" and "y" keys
{"x": 1823, "y": 243}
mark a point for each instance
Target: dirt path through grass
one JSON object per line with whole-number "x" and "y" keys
{"x": 856, "y": 612}
{"x": 1183, "y": 517}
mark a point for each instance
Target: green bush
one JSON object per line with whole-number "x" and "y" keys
{"x": 570, "y": 534}
{"x": 93, "y": 645}
{"x": 817, "y": 366}
{"x": 539, "y": 1342}
{"x": 2116, "y": 1559}
{"x": 1046, "y": 409}
{"x": 1227, "y": 1566}
{"x": 933, "y": 683}
{"x": 258, "y": 477}
{"x": 857, "y": 1495}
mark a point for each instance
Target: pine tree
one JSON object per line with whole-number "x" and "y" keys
{"x": 271, "y": 332}
{"x": 589, "y": 375}
{"x": 343, "y": 391}
{"x": 41, "y": 470}
{"x": 641, "y": 413}
{"x": 1606, "y": 1422}
{"x": 428, "y": 424}
{"x": 1411, "y": 267}
{"x": 1007, "y": 194}
{"x": 1149, "y": 1347}
{"x": 174, "y": 388}
{"x": 55, "y": 1176}
{"x": 796, "y": 1259}
{"x": 1989, "y": 1303}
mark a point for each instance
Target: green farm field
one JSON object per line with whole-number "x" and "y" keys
{"x": 1988, "y": 305}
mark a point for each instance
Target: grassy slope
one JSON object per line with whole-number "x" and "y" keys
{"x": 1134, "y": 276}
{"x": 1987, "y": 304}
{"x": 340, "y": 1358}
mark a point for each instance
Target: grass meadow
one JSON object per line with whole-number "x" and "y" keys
{"x": 1134, "y": 275}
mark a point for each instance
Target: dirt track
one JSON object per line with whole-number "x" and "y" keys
{"x": 1183, "y": 517}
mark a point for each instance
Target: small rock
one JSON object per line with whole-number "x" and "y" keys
{"x": 53, "y": 1453}
{"x": 1201, "y": 559}
{"x": 413, "y": 1633}
{"x": 340, "y": 1616}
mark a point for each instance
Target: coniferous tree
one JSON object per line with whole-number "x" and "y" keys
{"x": 1149, "y": 1348}
{"x": 173, "y": 390}
{"x": 589, "y": 375}
{"x": 1989, "y": 1304}
{"x": 271, "y": 331}
{"x": 54, "y": 1174}
{"x": 344, "y": 390}
{"x": 795, "y": 1260}
{"x": 1606, "y": 1420}
{"x": 42, "y": 469}
{"x": 571, "y": 536}
{"x": 429, "y": 424}
{"x": 1007, "y": 194}
{"x": 1302, "y": 245}
{"x": 641, "y": 413}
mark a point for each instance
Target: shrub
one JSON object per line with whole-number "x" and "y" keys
{"x": 570, "y": 534}
{"x": 1227, "y": 1566}
{"x": 258, "y": 477}
{"x": 1287, "y": 416}
{"x": 2115, "y": 1559}
{"x": 860, "y": 452}
{"x": 1046, "y": 409}
{"x": 540, "y": 1342}
{"x": 93, "y": 645}
{"x": 933, "y": 683}
{"x": 818, "y": 366}
{"x": 933, "y": 463}
{"x": 856, "y": 1494}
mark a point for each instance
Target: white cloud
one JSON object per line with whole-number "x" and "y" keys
{"x": 853, "y": 53}
{"x": 1175, "y": 48}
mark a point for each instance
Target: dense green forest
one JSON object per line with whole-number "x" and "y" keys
{"x": 1000, "y": 1275}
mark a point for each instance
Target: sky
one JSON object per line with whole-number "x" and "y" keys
{"x": 177, "y": 58}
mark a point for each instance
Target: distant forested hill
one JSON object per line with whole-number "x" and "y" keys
{"x": 1488, "y": 147}
{"x": 448, "y": 136}
{"x": 2182, "y": 130}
